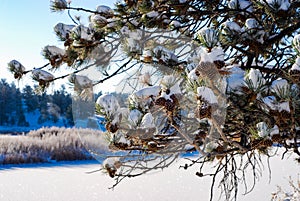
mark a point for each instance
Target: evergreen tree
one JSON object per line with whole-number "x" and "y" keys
{"x": 217, "y": 77}
{"x": 30, "y": 99}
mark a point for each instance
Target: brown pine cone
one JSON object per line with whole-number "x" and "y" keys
{"x": 170, "y": 105}
{"x": 161, "y": 101}
{"x": 174, "y": 99}
{"x": 111, "y": 127}
{"x": 203, "y": 111}
{"x": 276, "y": 138}
{"x": 267, "y": 142}
{"x": 219, "y": 64}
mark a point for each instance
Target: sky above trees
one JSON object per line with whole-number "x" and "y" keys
{"x": 26, "y": 27}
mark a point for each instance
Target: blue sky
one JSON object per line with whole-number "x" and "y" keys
{"x": 27, "y": 26}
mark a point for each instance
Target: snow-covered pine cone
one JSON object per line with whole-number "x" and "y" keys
{"x": 110, "y": 170}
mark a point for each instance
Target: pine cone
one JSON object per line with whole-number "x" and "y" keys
{"x": 161, "y": 101}
{"x": 219, "y": 64}
{"x": 169, "y": 105}
{"x": 174, "y": 99}
{"x": 203, "y": 111}
{"x": 276, "y": 138}
{"x": 111, "y": 127}
{"x": 256, "y": 143}
{"x": 267, "y": 143}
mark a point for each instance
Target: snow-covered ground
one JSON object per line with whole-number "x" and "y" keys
{"x": 69, "y": 181}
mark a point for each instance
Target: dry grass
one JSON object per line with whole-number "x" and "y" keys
{"x": 48, "y": 144}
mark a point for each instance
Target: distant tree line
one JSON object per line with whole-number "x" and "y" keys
{"x": 15, "y": 103}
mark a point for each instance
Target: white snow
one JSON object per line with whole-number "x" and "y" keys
{"x": 278, "y": 4}
{"x": 216, "y": 54}
{"x": 296, "y": 65}
{"x": 69, "y": 181}
{"x": 147, "y": 121}
{"x": 210, "y": 36}
{"x": 165, "y": 55}
{"x": 270, "y": 102}
{"x": 171, "y": 82}
{"x": 280, "y": 87}
{"x": 254, "y": 30}
{"x": 241, "y": 4}
{"x": 175, "y": 23}
{"x": 296, "y": 42}
{"x": 274, "y": 130}
{"x": 232, "y": 26}
{"x": 98, "y": 20}
{"x": 207, "y": 94}
{"x": 42, "y": 75}
{"x": 134, "y": 117}
{"x": 18, "y": 67}
{"x": 148, "y": 91}
{"x": 262, "y": 129}
{"x": 255, "y": 77}
{"x": 192, "y": 75}
{"x": 284, "y": 106}
{"x": 102, "y": 9}
{"x": 82, "y": 32}
{"x": 109, "y": 103}
{"x": 82, "y": 81}
{"x": 152, "y": 14}
{"x": 55, "y": 50}
{"x": 63, "y": 30}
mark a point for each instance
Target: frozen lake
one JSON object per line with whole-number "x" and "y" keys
{"x": 70, "y": 182}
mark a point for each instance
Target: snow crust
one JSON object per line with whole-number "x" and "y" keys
{"x": 70, "y": 182}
